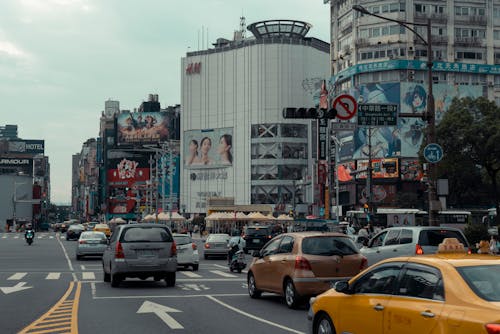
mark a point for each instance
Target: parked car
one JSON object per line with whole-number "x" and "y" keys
{"x": 140, "y": 250}
{"x": 187, "y": 251}
{"x": 449, "y": 293}
{"x": 91, "y": 243}
{"x": 408, "y": 241}
{"x": 303, "y": 264}
{"x": 74, "y": 231}
{"x": 103, "y": 228}
{"x": 216, "y": 245}
{"x": 256, "y": 236}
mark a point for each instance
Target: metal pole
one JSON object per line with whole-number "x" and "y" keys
{"x": 431, "y": 134}
{"x": 14, "y": 212}
{"x": 171, "y": 179}
{"x": 369, "y": 173}
{"x": 337, "y": 180}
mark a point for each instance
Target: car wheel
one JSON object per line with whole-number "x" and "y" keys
{"x": 291, "y": 297}
{"x": 115, "y": 280}
{"x": 253, "y": 292}
{"x": 170, "y": 279}
{"x": 195, "y": 267}
{"x": 107, "y": 277}
{"x": 323, "y": 325}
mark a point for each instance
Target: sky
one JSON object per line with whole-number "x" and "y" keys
{"x": 60, "y": 60}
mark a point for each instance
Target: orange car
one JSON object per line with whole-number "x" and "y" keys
{"x": 103, "y": 228}
{"x": 447, "y": 293}
{"x": 303, "y": 264}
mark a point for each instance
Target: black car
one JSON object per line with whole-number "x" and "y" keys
{"x": 74, "y": 231}
{"x": 256, "y": 236}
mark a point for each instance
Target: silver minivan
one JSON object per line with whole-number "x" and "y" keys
{"x": 140, "y": 250}
{"x": 408, "y": 241}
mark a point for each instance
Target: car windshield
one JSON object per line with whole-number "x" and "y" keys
{"x": 435, "y": 237}
{"x": 328, "y": 246}
{"x": 483, "y": 280}
{"x": 217, "y": 238}
{"x": 258, "y": 231}
{"x": 146, "y": 234}
{"x": 182, "y": 239}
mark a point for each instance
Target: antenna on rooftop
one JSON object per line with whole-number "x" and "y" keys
{"x": 243, "y": 26}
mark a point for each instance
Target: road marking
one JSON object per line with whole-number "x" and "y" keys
{"x": 221, "y": 273}
{"x": 62, "y": 317}
{"x": 189, "y": 274}
{"x": 18, "y": 287}
{"x": 195, "y": 287}
{"x": 16, "y": 276}
{"x": 16, "y": 237}
{"x": 51, "y": 237}
{"x": 162, "y": 312}
{"x": 88, "y": 275}
{"x": 4, "y": 237}
{"x": 67, "y": 259}
{"x": 53, "y": 276}
{"x": 82, "y": 266}
{"x": 251, "y": 316}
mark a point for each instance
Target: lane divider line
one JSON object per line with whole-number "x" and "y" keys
{"x": 59, "y": 318}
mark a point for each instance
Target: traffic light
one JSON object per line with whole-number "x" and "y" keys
{"x": 366, "y": 208}
{"x": 309, "y": 113}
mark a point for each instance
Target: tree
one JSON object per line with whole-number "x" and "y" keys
{"x": 469, "y": 134}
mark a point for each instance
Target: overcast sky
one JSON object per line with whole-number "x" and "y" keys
{"x": 61, "y": 59}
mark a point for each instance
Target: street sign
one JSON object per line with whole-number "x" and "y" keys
{"x": 433, "y": 153}
{"x": 346, "y": 106}
{"x": 372, "y": 114}
{"x": 338, "y": 126}
{"x": 322, "y": 138}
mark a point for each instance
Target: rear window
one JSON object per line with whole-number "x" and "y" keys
{"x": 483, "y": 280}
{"x": 258, "y": 231}
{"x": 435, "y": 237}
{"x": 217, "y": 238}
{"x": 146, "y": 234}
{"x": 182, "y": 240}
{"x": 328, "y": 246}
{"x": 93, "y": 235}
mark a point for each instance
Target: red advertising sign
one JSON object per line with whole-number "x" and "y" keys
{"x": 381, "y": 168}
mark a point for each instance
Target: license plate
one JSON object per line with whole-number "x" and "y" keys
{"x": 256, "y": 241}
{"x": 145, "y": 253}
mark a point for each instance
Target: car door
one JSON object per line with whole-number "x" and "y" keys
{"x": 109, "y": 253}
{"x": 264, "y": 267}
{"x": 372, "y": 251}
{"x": 283, "y": 262}
{"x": 418, "y": 301}
{"x": 365, "y": 309}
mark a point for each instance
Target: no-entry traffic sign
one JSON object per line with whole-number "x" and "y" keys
{"x": 346, "y": 106}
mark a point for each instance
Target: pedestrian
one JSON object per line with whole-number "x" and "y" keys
{"x": 191, "y": 230}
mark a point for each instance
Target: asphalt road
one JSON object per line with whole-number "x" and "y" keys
{"x": 44, "y": 289}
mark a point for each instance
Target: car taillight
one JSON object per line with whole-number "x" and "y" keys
{"x": 301, "y": 263}
{"x": 193, "y": 245}
{"x": 419, "y": 250}
{"x": 492, "y": 328}
{"x": 81, "y": 242}
{"x": 119, "y": 251}
{"x": 364, "y": 264}
{"x": 269, "y": 236}
{"x": 173, "y": 249}
{"x": 207, "y": 245}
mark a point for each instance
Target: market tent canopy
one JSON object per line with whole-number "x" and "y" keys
{"x": 284, "y": 217}
{"x": 170, "y": 216}
{"x": 149, "y": 218}
{"x": 257, "y": 216}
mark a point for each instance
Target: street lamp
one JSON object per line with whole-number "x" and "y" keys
{"x": 428, "y": 116}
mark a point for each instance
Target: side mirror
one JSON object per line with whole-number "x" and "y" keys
{"x": 341, "y": 286}
{"x": 256, "y": 253}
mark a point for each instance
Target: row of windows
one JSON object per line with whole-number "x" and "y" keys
{"x": 431, "y": 9}
{"x": 467, "y": 11}
{"x": 382, "y": 31}
{"x": 468, "y": 32}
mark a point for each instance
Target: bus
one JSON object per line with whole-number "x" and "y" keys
{"x": 454, "y": 218}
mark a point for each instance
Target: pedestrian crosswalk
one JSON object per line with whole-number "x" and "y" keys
{"x": 38, "y": 235}
{"x": 92, "y": 276}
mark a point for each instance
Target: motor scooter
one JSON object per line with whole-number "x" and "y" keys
{"x": 29, "y": 235}
{"x": 238, "y": 262}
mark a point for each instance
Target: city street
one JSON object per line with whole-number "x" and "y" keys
{"x": 44, "y": 289}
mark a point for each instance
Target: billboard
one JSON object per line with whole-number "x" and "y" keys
{"x": 411, "y": 170}
{"x": 145, "y": 127}
{"x": 27, "y": 146}
{"x": 199, "y": 151}
{"x": 381, "y": 168}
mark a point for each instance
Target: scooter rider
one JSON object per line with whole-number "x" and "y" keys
{"x": 29, "y": 228}
{"x": 235, "y": 244}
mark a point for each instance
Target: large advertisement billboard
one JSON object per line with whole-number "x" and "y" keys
{"x": 381, "y": 168}
{"x": 145, "y": 127}
{"x": 210, "y": 148}
{"x": 27, "y": 146}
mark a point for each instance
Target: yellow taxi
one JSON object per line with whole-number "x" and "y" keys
{"x": 450, "y": 292}
{"x": 103, "y": 228}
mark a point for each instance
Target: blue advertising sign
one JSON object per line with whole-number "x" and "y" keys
{"x": 433, "y": 153}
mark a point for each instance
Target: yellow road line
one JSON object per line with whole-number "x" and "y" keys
{"x": 59, "y": 316}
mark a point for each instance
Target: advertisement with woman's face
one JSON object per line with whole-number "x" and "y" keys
{"x": 210, "y": 148}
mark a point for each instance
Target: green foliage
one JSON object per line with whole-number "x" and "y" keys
{"x": 475, "y": 233}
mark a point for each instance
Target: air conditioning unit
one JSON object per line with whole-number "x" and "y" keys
{"x": 491, "y": 84}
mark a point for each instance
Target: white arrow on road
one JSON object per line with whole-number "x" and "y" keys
{"x": 162, "y": 312}
{"x": 18, "y": 287}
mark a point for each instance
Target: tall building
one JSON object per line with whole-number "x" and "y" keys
{"x": 8, "y": 131}
{"x": 382, "y": 62}
{"x": 235, "y": 142}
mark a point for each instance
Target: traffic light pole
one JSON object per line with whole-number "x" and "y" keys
{"x": 369, "y": 171}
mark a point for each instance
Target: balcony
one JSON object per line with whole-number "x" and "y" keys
{"x": 361, "y": 42}
{"x": 468, "y": 41}
{"x": 435, "y": 17}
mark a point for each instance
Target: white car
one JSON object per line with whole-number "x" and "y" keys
{"x": 187, "y": 251}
